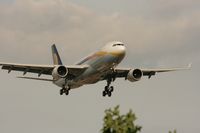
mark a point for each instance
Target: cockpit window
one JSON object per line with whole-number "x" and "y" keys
{"x": 118, "y": 45}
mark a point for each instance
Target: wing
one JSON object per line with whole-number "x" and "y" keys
{"x": 41, "y": 69}
{"x": 123, "y": 72}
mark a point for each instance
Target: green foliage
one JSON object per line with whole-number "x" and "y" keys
{"x": 116, "y": 123}
{"x": 173, "y": 132}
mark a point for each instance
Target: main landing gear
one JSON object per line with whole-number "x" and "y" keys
{"x": 108, "y": 89}
{"x": 65, "y": 90}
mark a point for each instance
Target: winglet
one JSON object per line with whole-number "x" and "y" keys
{"x": 56, "y": 56}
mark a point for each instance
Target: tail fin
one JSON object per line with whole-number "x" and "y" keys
{"x": 56, "y": 56}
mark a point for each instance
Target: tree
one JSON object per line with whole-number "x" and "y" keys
{"x": 116, "y": 123}
{"x": 173, "y": 132}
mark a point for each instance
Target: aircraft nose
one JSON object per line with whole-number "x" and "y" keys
{"x": 123, "y": 50}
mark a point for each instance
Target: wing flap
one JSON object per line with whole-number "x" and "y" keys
{"x": 32, "y": 78}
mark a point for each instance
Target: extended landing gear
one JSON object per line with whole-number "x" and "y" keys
{"x": 108, "y": 89}
{"x": 65, "y": 90}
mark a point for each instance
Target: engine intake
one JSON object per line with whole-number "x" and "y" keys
{"x": 60, "y": 72}
{"x": 134, "y": 75}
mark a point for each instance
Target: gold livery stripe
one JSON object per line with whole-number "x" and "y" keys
{"x": 102, "y": 53}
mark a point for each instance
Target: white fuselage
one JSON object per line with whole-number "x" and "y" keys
{"x": 101, "y": 63}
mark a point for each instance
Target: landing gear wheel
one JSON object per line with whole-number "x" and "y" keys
{"x": 106, "y": 88}
{"x": 104, "y": 93}
{"x": 109, "y": 93}
{"x": 61, "y": 91}
{"x": 111, "y": 89}
{"x": 66, "y": 92}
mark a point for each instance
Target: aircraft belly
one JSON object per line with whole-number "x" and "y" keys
{"x": 98, "y": 69}
{"x": 90, "y": 76}
{"x": 60, "y": 82}
{"x": 72, "y": 84}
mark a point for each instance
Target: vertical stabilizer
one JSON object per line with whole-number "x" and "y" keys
{"x": 56, "y": 56}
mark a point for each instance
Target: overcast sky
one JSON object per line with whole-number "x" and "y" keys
{"x": 157, "y": 33}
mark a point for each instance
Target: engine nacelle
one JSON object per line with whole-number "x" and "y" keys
{"x": 134, "y": 75}
{"x": 60, "y": 72}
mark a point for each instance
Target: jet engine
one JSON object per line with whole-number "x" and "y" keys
{"x": 60, "y": 72}
{"x": 134, "y": 75}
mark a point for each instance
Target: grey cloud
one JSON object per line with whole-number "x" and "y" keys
{"x": 41, "y": 16}
{"x": 166, "y": 10}
{"x": 67, "y": 23}
{"x": 29, "y": 27}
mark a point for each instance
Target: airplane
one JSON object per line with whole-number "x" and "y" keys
{"x": 99, "y": 66}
